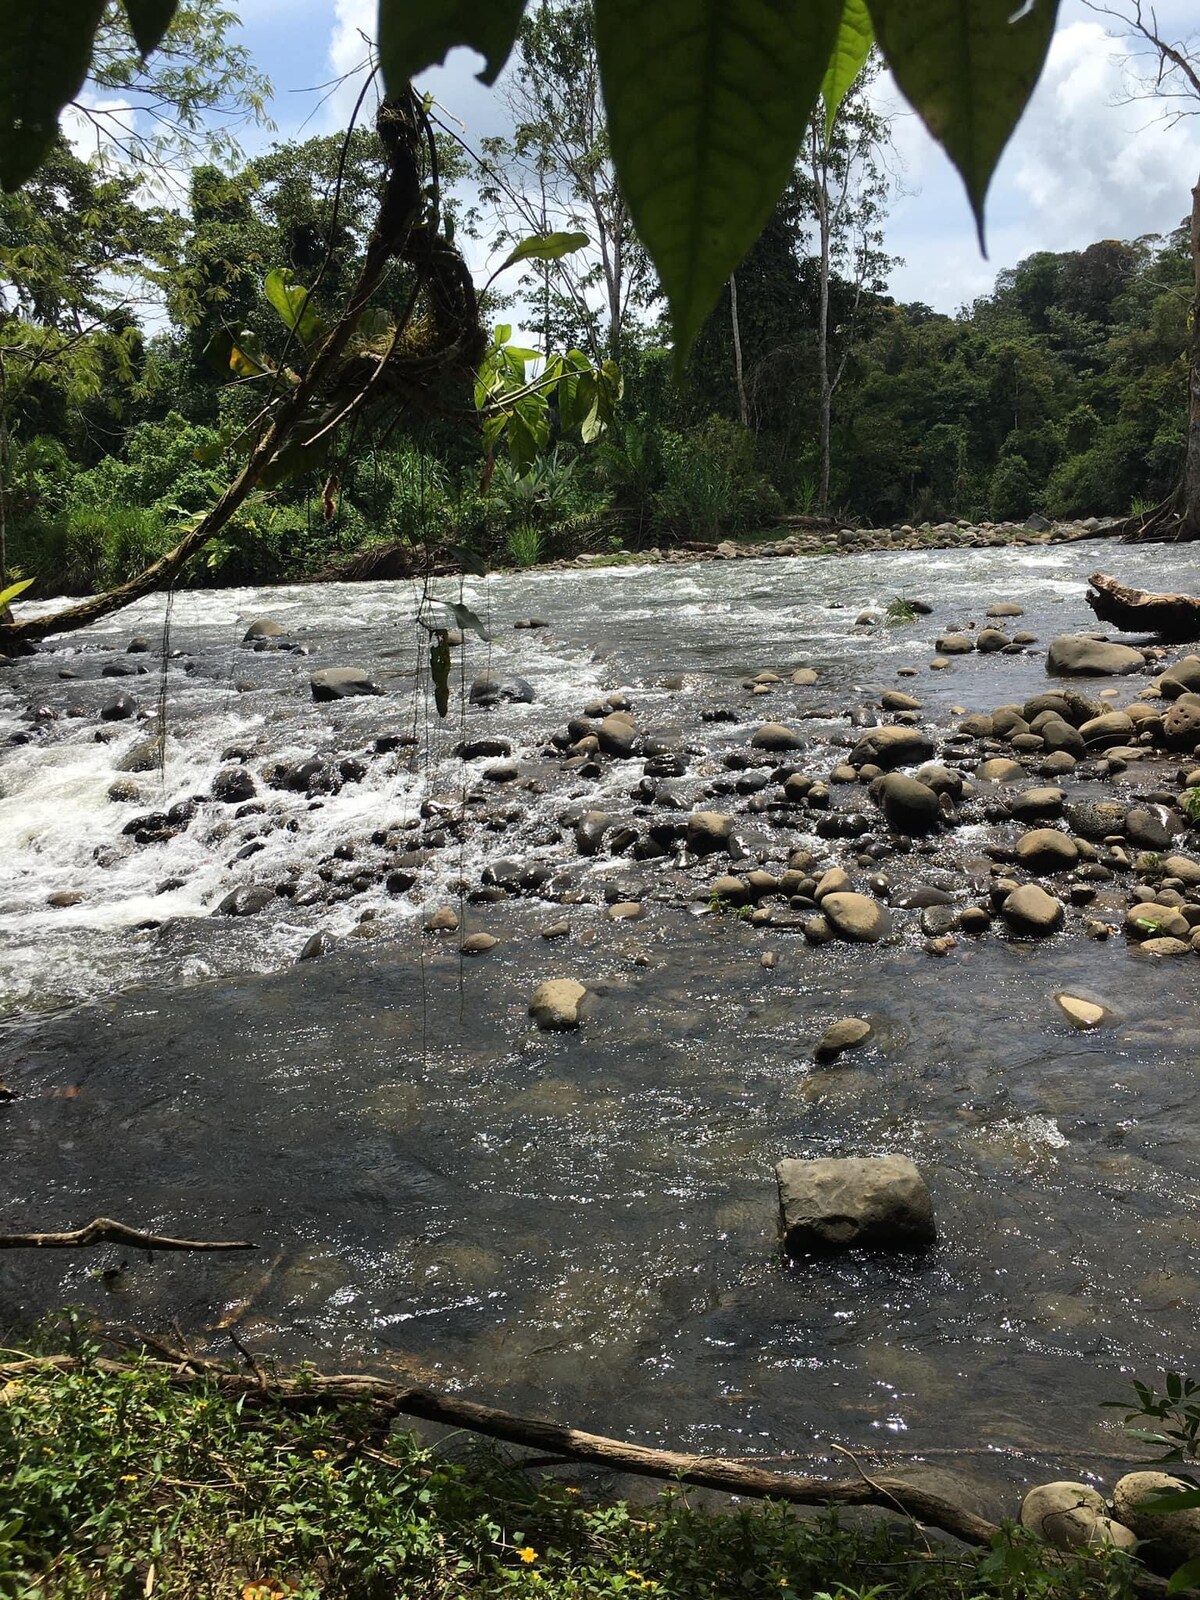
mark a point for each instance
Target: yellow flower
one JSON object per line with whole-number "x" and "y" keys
{"x": 320, "y": 1455}
{"x": 569, "y": 1488}
{"x": 527, "y": 1553}
{"x": 631, "y": 1572}
{"x": 129, "y": 1477}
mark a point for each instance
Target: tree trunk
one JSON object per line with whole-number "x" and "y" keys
{"x": 743, "y": 408}
{"x": 1191, "y": 469}
{"x": 826, "y": 389}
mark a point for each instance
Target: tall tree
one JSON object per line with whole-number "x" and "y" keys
{"x": 556, "y": 174}
{"x": 844, "y": 187}
{"x": 1172, "y": 74}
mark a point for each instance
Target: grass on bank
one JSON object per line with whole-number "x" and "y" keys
{"x": 116, "y": 1485}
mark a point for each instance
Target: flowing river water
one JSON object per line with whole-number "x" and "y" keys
{"x": 581, "y": 1225}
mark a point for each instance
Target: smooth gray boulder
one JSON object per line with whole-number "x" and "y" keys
{"x": 617, "y": 734}
{"x": 708, "y": 832}
{"x": 891, "y": 746}
{"x": 1075, "y": 653}
{"x": 1030, "y": 909}
{"x": 1071, "y": 1516}
{"x": 490, "y": 688}
{"x": 909, "y": 805}
{"x": 263, "y": 628}
{"x": 846, "y": 1034}
{"x": 856, "y": 1202}
{"x": 341, "y": 683}
{"x": 1047, "y": 850}
{"x": 1175, "y": 1535}
{"x": 775, "y": 736}
{"x": 856, "y": 917}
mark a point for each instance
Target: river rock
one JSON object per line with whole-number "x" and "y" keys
{"x": 908, "y": 805}
{"x": 856, "y": 917}
{"x": 955, "y": 644}
{"x": 1072, "y": 1516}
{"x": 1031, "y": 910}
{"x": 478, "y": 944}
{"x": 246, "y": 902}
{"x": 1005, "y": 608}
{"x": 123, "y": 791}
{"x": 233, "y": 785}
{"x": 1095, "y": 820}
{"x": 804, "y": 677}
{"x": 896, "y": 700}
{"x": 1047, "y": 850}
{"x": 1057, "y": 734}
{"x": 892, "y": 746}
{"x": 442, "y": 920}
{"x": 554, "y": 1004}
{"x": 1165, "y": 945}
{"x": 989, "y": 640}
{"x": 708, "y": 832}
{"x": 590, "y": 830}
{"x": 1182, "y": 678}
{"x": 1181, "y": 724}
{"x": 1076, "y": 654}
{"x": 834, "y": 881}
{"x": 626, "y": 911}
{"x": 263, "y": 628}
{"x": 775, "y": 736}
{"x": 1147, "y": 829}
{"x": 120, "y": 669}
{"x": 1150, "y": 920}
{"x": 1034, "y": 805}
{"x": 341, "y": 683}
{"x": 847, "y": 1034}
{"x": 142, "y": 757}
{"x": 1183, "y": 868}
{"x": 1082, "y": 1014}
{"x": 1175, "y": 1534}
{"x": 1000, "y": 769}
{"x": 490, "y": 688}
{"x": 316, "y": 945}
{"x": 480, "y": 749}
{"x": 1101, "y": 733}
{"x": 857, "y": 1202}
{"x": 120, "y": 707}
{"x": 617, "y": 734}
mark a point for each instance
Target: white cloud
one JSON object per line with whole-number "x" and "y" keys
{"x": 1092, "y": 161}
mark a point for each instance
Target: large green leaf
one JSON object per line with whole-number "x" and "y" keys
{"x": 853, "y": 46}
{"x": 294, "y": 305}
{"x": 969, "y": 67}
{"x": 149, "y": 21}
{"x": 1185, "y": 1577}
{"x": 7, "y": 596}
{"x": 415, "y": 34}
{"x": 544, "y": 247}
{"x": 45, "y": 52}
{"x": 707, "y": 106}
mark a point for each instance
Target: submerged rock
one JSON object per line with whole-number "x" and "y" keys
{"x": 847, "y": 1034}
{"x": 342, "y": 683}
{"x": 870, "y": 1203}
{"x": 490, "y": 688}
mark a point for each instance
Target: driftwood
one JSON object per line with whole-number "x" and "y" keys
{"x": 557, "y": 1442}
{"x": 103, "y": 1230}
{"x": 1172, "y": 616}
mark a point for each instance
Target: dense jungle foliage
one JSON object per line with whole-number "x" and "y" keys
{"x": 1063, "y": 391}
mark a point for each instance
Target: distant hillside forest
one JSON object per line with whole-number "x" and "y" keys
{"x": 1064, "y": 391}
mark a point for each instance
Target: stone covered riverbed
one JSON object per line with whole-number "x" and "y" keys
{"x": 744, "y": 804}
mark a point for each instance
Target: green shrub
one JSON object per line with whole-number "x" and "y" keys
{"x": 524, "y": 544}
{"x": 711, "y": 484}
{"x": 1014, "y": 490}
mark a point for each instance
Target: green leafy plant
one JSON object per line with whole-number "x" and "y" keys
{"x": 1189, "y": 802}
{"x": 525, "y": 544}
{"x": 899, "y": 610}
{"x": 1176, "y": 1410}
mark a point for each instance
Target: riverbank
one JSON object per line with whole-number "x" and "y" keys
{"x": 117, "y": 1482}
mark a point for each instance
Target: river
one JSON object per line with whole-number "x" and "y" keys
{"x": 581, "y": 1225}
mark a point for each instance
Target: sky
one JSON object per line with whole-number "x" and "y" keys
{"x": 1087, "y": 162}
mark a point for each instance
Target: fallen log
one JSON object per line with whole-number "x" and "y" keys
{"x": 103, "y": 1230}
{"x": 312, "y": 1392}
{"x": 1171, "y": 616}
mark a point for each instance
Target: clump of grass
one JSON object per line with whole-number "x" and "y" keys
{"x": 899, "y": 610}
{"x": 115, "y": 1484}
{"x": 525, "y": 544}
